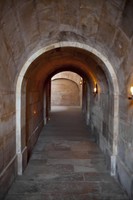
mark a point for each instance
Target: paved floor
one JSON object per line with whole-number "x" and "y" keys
{"x": 66, "y": 165}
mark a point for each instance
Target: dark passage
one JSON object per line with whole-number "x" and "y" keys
{"x": 66, "y": 164}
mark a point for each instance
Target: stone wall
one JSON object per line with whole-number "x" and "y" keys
{"x": 99, "y": 117}
{"x": 28, "y": 26}
{"x": 66, "y": 89}
{"x": 34, "y": 114}
{"x": 64, "y": 93}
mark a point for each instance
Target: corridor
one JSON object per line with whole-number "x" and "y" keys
{"x": 66, "y": 164}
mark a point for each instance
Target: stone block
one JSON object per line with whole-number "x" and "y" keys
{"x": 33, "y": 136}
{"x": 64, "y": 92}
{"x": 33, "y": 110}
{"x": 110, "y": 140}
{"x": 102, "y": 143}
{"x": 105, "y": 33}
{"x": 4, "y": 84}
{"x": 46, "y": 187}
{"x": 110, "y": 13}
{"x": 105, "y": 130}
{"x": 88, "y": 21}
{"x": 126, "y": 19}
{"x": 7, "y": 179}
{"x": 12, "y": 36}
{"x": 123, "y": 106}
{"x": 33, "y": 97}
{"x": 9, "y": 147}
{"x": 121, "y": 149}
{"x": 111, "y": 105}
{"x": 124, "y": 176}
{"x": 125, "y": 131}
{"x": 128, "y": 63}
{"x": 66, "y": 11}
{"x": 23, "y": 117}
{"x": 7, "y": 104}
{"x": 118, "y": 3}
{"x": 44, "y": 9}
{"x": 93, "y": 7}
{"x": 132, "y": 188}
{"x": 24, "y": 136}
{"x": 4, "y": 7}
{"x": 1, "y": 154}
{"x": 28, "y": 22}
{"x": 111, "y": 122}
{"x": 129, "y": 156}
{"x": 49, "y": 24}
{"x": 5, "y": 53}
{"x": 35, "y": 120}
{"x": 7, "y": 124}
{"x": 121, "y": 44}
{"x": 23, "y": 99}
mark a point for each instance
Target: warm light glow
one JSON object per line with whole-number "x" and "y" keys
{"x": 95, "y": 89}
{"x": 80, "y": 81}
{"x": 34, "y": 112}
{"x": 131, "y": 90}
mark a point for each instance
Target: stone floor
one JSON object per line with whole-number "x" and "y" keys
{"x": 66, "y": 164}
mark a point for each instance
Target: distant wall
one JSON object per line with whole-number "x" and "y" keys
{"x": 64, "y": 92}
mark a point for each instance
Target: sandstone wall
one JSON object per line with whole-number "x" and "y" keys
{"x": 27, "y": 26}
{"x": 66, "y": 89}
{"x": 64, "y": 93}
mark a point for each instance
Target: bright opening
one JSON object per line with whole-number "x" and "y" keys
{"x": 66, "y": 89}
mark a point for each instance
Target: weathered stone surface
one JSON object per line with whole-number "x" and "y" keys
{"x": 7, "y": 178}
{"x": 9, "y": 147}
{"x": 66, "y": 177}
{"x": 48, "y": 24}
{"x": 111, "y": 12}
{"x": 124, "y": 177}
{"x": 27, "y": 26}
{"x": 66, "y": 89}
{"x": 28, "y": 23}
{"x": 88, "y": 17}
{"x": 126, "y": 19}
{"x": 65, "y": 10}
{"x": 65, "y": 93}
{"x": 1, "y": 153}
{"x": 106, "y": 33}
{"x": 120, "y": 46}
{"x": 126, "y": 131}
{"x": 5, "y": 53}
{"x": 7, "y": 106}
{"x": 12, "y": 41}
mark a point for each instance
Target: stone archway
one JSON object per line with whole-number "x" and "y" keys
{"x": 109, "y": 69}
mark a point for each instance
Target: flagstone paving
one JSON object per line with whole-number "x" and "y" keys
{"x": 66, "y": 164}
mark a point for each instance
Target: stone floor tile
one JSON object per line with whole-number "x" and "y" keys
{"x": 66, "y": 164}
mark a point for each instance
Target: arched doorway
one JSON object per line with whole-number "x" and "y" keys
{"x": 78, "y": 65}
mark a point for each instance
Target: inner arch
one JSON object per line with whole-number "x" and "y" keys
{"x": 108, "y": 70}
